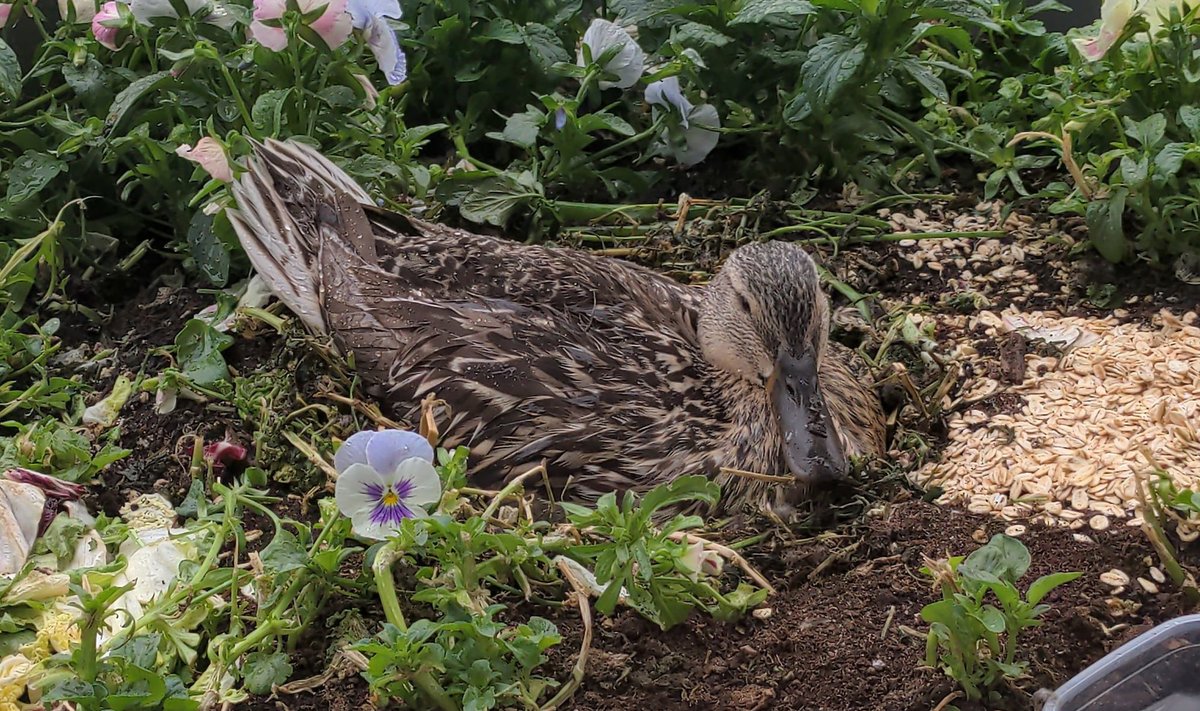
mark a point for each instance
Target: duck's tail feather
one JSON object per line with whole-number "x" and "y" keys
{"x": 293, "y": 203}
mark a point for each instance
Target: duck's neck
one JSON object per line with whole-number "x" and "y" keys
{"x": 754, "y": 442}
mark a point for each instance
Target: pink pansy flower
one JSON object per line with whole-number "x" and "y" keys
{"x": 103, "y": 33}
{"x": 333, "y": 26}
{"x": 85, "y": 10}
{"x": 5, "y": 9}
{"x": 211, "y": 157}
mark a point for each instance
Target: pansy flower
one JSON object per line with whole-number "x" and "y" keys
{"x": 627, "y": 64}
{"x": 5, "y": 11}
{"x": 383, "y": 478}
{"x": 332, "y": 25}
{"x": 695, "y": 130}
{"x": 107, "y": 25}
{"x": 371, "y": 18}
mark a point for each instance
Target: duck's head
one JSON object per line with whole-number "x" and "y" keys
{"x": 764, "y": 321}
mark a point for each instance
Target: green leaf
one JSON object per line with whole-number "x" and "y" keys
{"x": 1169, "y": 160}
{"x": 924, "y": 76}
{"x": 10, "y": 72}
{"x": 775, "y": 13}
{"x": 267, "y": 113}
{"x": 1004, "y": 558}
{"x": 1043, "y": 585}
{"x": 198, "y": 348}
{"x": 1147, "y": 132}
{"x": 991, "y": 619}
{"x": 544, "y": 46}
{"x": 694, "y": 34}
{"x": 522, "y": 129}
{"x": 212, "y": 259}
{"x": 1189, "y": 116}
{"x": 1105, "y": 221}
{"x": 30, "y": 173}
{"x": 86, "y": 80}
{"x": 62, "y": 534}
{"x": 139, "y": 688}
{"x": 284, "y": 553}
{"x": 499, "y": 30}
{"x": 494, "y": 200}
{"x": 130, "y": 95}
{"x": 607, "y": 121}
{"x": 683, "y": 489}
{"x": 264, "y": 671}
{"x": 832, "y": 64}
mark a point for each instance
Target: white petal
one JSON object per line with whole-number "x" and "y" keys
{"x": 701, "y": 135}
{"x": 353, "y": 451}
{"x": 426, "y": 485}
{"x": 668, "y": 94}
{"x": 364, "y": 527}
{"x": 629, "y": 62}
{"x": 146, "y": 10}
{"x": 351, "y": 491}
{"x": 20, "y": 513}
{"x": 388, "y": 448}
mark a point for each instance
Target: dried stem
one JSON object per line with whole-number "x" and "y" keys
{"x": 585, "y": 613}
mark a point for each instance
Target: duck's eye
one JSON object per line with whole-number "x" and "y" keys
{"x": 744, "y": 303}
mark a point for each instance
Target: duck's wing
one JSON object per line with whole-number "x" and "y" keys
{"x": 603, "y": 408}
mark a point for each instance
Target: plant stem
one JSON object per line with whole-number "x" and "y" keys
{"x": 237, "y": 97}
{"x": 388, "y": 554}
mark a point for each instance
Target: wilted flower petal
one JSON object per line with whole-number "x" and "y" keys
{"x": 105, "y": 35}
{"x": 105, "y": 412}
{"x": 56, "y": 492}
{"x": 1114, "y": 15}
{"x": 629, "y": 61}
{"x": 21, "y": 507}
{"x": 225, "y": 455}
{"x": 668, "y": 94}
{"x": 369, "y": 88}
{"x": 210, "y": 155}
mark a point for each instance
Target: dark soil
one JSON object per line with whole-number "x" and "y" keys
{"x": 843, "y": 633}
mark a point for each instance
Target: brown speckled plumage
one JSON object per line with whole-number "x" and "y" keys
{"x": 594, "y": 366}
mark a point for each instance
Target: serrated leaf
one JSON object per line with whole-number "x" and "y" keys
{"x": 694, "y": 34}
{"x": 265, "y": 671}
{"x": 283, "y": 554}
{"x": 544, "y": 46}
{"x": 267, "y": 113}
{"x": 522, "y": 129}
{"x": 832, "y": 64}
{"x": 10, "y": 72}
{"x": 775, "y": 13}
{"x": 212, "y": 258}
{"x": 198, "y": 348}
{"x": 493, "y": 200}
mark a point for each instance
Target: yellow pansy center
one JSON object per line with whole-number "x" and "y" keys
{"x": 390, "y": 498}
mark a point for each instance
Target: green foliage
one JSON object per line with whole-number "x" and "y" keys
{"x": 973, "y": 636}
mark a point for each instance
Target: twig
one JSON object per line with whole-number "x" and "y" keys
{"x": 887, "y": 624}
{"x": 946, "y": 701}
{"x": 370, "y": 411}
{"x": 510, "y": 488}
{"x": 833, "y": 558}
{"x": 311, "y": 454}
{"x": 727, "y": 553}
{"x": 585, "y": 613}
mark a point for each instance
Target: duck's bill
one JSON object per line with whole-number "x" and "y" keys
{"x": 811, "y": 447}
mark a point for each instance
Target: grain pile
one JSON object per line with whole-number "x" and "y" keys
{"x": 1093, "y": 392}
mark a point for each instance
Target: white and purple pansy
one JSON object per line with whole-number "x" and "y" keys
{"x": 371, "y": 18}
{"x": 385, "y": 477}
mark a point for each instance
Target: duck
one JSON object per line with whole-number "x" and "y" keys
{"x": 606, "y": 373}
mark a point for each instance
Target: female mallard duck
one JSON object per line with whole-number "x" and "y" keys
{"x": 613, "y": 376}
